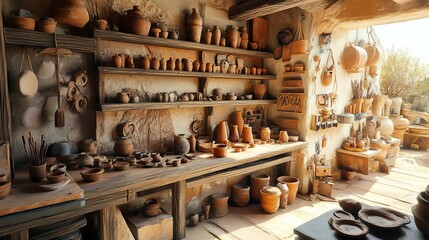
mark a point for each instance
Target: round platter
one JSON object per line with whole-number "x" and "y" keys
{"x": 376, "y": 217}
{"x": 354, "y": 149}
{"x": 350, "y": 228}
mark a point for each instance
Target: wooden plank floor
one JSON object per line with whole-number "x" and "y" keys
{"x": 398, "y": 190}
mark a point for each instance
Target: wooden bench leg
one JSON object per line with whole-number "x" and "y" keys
{"x": 21, "y": 235}
{"x": 108, "y": 224}
{"x": 179, "y": 209}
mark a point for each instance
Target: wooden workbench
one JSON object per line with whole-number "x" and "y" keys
{"x": 356, "y": 161}
{"x": 115, "y": 188}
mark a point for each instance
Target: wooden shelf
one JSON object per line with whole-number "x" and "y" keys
{"x": 294, "y": 73}
{"x": 147, "y": 40}
{"x": 41, "y": 39}
{"x": 168, "y": 73}
{"x": 191, "y": 104}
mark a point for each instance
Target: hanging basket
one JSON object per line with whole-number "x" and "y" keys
{"x": 299, "y": 45}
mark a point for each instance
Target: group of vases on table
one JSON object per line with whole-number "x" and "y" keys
{"x": 271, "y": 198}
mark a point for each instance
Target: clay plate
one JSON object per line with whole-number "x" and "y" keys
{"x": 378, "y": 218}
{"x": 350, "y": 228}
{"x": 341, "y": 214}
{"x": 406, "y": 220}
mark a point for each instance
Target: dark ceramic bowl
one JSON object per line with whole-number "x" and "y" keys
{"x": 422, "y": 207}
{"x": 92, "y": 174}
{"x": 421, "y": 224}
{"x": 121, "y": 166}
{"x": 55, "y": 177}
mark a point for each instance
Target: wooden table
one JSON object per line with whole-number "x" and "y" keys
{"x": 413, "y": 138}
{"x": 355, "y": 161}
{"x": 115, "y": 188}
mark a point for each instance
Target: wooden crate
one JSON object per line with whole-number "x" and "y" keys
{"x": 412, "y": 138}
{"x": 159, "y": 227}
{"x": 322, "y": 171}
{"x": 325, "y": 188}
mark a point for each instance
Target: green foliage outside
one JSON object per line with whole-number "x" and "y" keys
{"x": 403, "y": 75}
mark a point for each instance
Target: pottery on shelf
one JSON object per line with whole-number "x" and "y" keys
{"x": 220, "y": 150}
{"x": 386, "y": 108}
{"x": 25, "y": 23}
{"x": 240, "y": 195}
{"x": 171, "y": 64}
{"x": 207, "y": 37}
{"x": 270, "y": 199}
{"x": 216, "y": 35}
{"x": 232, "y": 36}
{"x": 265, "y": 133}
{"x": 247, "y": 135}
{"x": 181, "y": 144}
{"x": 239, "y": 121}
{"x": 222, "y": 132}
{"x": 396, "y": 106}
{"x": 292, "y": 184}
{"x": 259, "y": 90}
{"x": 100, "y": 24}
{"x": 145, "y": 62}
{"x": 152, "y": 207}
{"x": 195, "y": 26}
{"x": 122, "y": 97}
{"x": 257, "y": 182}
{"x": 55, "y": 177}
{"x": 70, "y": 12}
{"x": 89, "y": 146}
{"x": 283, "y": 136}
{"x": 47, "y": 25}
{"x": 5, "y": 188}
{"x": 219, "y": 205}
{"x": 234, "y": 136}
{"x": 92, "y": 174}
{"x": 134, "y": 21}
{"x": 123, "y": 147}
{"x": 192, "y": 143}
{"x": 378, "y": 104}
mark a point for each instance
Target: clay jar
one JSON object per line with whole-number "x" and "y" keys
{"x": 85, "y": 160}
{"x": 232, "y": 36}
{"x": 244, "y": 38}
{"x": 284, "y": 194}
{"x": 37, "y": 173}
{"x": 123, "y": 147}
{"x": 134, "y": 21}
{"x": 257, "y": 182}
{"x": 283, "y": 137}
{"x": 292, "y": 184}
{"x": 152, "y": 207}
{"x": 181, "y": 144}
{"x": 265, "y": 133}
{"x": 216, "y": 35}
{"x": 247, "y": 135}
{"x": 207, "y": 38}
{"x": 192, "y": 143}
{"x": 122, "y": 97}
{"x": 195, "y": 26}
{"x": 270, "y": 199}
{"x": 178, "y": 65}
{"x": 196, "y": 66}
{"x": 70, "y": 12}
{"x": 235, "y": 136}
{"x": 116, "y": 61}
{"x": 145, "y": 62}
{"x": 239, "y": 121}
{"x": 219, "y": 204}
{"x": 222, "y": 132}
{"x": 240, "y": 195}
{"x": 171, "y": 65}
{"x": 259, "y": 90}
{"x": 155, "y": 63}
{"x": 220, "y": 150}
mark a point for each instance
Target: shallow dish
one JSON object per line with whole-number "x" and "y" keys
{"x": 350, "y": 228}
{"x": 375, "y": 217}
{"x": 47, "y": 186}
{"x": 341, "y": 214}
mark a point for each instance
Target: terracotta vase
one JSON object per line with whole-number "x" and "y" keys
{"x": 196, "y": 66}
{"x": 240, "y": 195}
{"x": 247, "y": 135}
{"x": 232, "y": 36}
{"x": 163, "y": 64}
{"x": 187, "y": 65}
{"x": 203, "y": 67}
{"x": 219, "y": 205}
{"x": 179, "y": 65}
{"x": 70, "y": 12}
{"x": 239, "y": 121}
{"x": 37, "y": 173}
{"x": 367, "y": 103}
{"x": 257, "y": 182}
{"x": 259, "y": 90}
{"x": 283, "y": 137}
{"x": 265, "y": 133}
{"x": 145, "y": 62}
{"x": 192, "y": 143}
{"x": 284, "y": 194}
{"x": 152, "y": 207}
{"x": 216, "y": 35}
{"x": 123, "y": 147}
{"x": 116, "y": 61}
{"x": 129, "y": 62}
{"x": 195, "y": 26}
{"x": 181, "y": 144}
{"x": 209, "y": 67}
{"x": 235, "y": 137}
{"x": 292, "y": 184}
{"x": 171, "y": 64}
{"x": 207, "y": 38}
{"x": 270, "y": 199}
{"x": 154, "y": 63}
{"x": 134, "y": 21}
{"x": 222, "y": 132}
{"x": 384, "y": 125}
{"x": 378, "y": 104}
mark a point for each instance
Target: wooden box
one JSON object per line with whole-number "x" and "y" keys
{"x": 413, "y": 138}
{"x": 322, "y": 171}
{"x": 159, "y": 227}
{"x": 325, "y": 188}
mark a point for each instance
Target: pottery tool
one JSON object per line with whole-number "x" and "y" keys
{"x": 35, "y": 155}
{"x": 57, "y": 52}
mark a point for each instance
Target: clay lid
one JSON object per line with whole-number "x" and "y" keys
{"x": 271, "y": 190}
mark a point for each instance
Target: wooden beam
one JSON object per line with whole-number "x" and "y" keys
{"x": 257, "y": 8}
{"x": 179, "y": 209}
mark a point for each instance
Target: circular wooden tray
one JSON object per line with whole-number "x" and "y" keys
{"x": 379, "y": 218}
{"x": 355, "y": 149}
{"x": 350, "y": 228}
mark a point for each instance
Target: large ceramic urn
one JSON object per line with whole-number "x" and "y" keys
{"x": 70, "y": 12}
{"x": 135, "y": 21}
{"x": 195, "y": 26}
{"x": 123, "y": 147}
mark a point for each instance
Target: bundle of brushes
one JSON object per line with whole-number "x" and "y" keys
{"x": 35, "y": 155}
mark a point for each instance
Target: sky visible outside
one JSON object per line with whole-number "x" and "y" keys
{"x": 413, "y": 35}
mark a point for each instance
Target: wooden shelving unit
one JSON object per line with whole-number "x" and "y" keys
{"x": 294, "y": 73}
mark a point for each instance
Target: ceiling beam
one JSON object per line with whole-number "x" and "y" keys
{"x": 257, "y": 8}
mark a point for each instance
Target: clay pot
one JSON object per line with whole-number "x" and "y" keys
{"x": 299, "y": 47}
{"x": 179, "y": 65}
{"x": 123, "y": 147}
{"x": 385, "y": 124}
{"x": 181, "y": 144}
{"x": 187, "y": 65}
{"x": 152, "y": 207}
{"x": 265, "y": 133}
{"x": 220, "y": 150}
{"x": 378, "y": 104}
{"x": 122, "y": 97}
{"x": 209, "y": 67}
{"x": 70, "y": 12}
{"x": 270, "y": 199}
{"x": 216, "y": 35}
{"x": 192, "y": 143}
{"x": 145, "y": 62}
{"x": 171, "y": 65}
{"x": 219, "y": 204}
{"x": 207, "y": 37}
{"x": 163, "y": 64}
{"x": 396, "y": 106}
{"x": 196, "y": 66}
{"x": 134, "y": 21}
{"x": 259, "y": 90}
{"x": 292, "y": 184}
{"x": 283, "y": 137}
{"x": 92, "y": 174}
{"x": 60, "y": 149}
{"x": 173, "y": 34}
{"x": 354, "y": 57}
{"x": 100, "y": 24}
{"x": 239, "y": 121}
{"x": 129, "y": 62}
{"x": 155, "y": 64}
{"x": 367, "y": 103}
{"x": 25, "y": 23}
{"x": 222, "y": 132}
{"x": 358, "y": 103}
{"x": 37, "y": 173}
{"x": 247, "y": 135}
{"x": 240, "y": 195}
{"x": 235, "y": 136}
{"x": 84, "y": 160}
{"x": 284, "y": 194}
{"x": 195, "y": 26}
{"x": 89, "y": 146}
{"x": 373, "y": 55}
{"x": 156, "y": 32}
{"x": 202, "y": 67}
{"x": 222, "y": 42}
{"x": 47, "y": 25}
{"x": 4, "y": 189}
{"x": 232, "y": 36}
{"x": 257, "y": 182}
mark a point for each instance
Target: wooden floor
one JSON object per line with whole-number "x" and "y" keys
{"x": 398, "y": 190}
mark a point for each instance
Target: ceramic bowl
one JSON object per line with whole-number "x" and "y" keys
{"x": 421, "y": 224}
{"x": 47, "y": 25}
{"x": 205, "y": 145}
{"x": 220, "y": 150}
{"x": 422, "y": 207}
{"x": 191, "y": 155}
{"x": 121, "y": 166}
{"x": 293, "y": 138}
{"x": 106, "y": 165}
{"x": 253, "y": 46}
{"x": 54, "y": 177}
{"x": 24, "y": 22}
{"x": 248, "y": 97}
{"x": 242, "y": 146}
{"x": 4, "y": 189}
{"x": 59, "y": 167}
{"x": 92, "y": 174}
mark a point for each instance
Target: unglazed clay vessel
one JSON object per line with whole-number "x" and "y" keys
{"x": 134, "y": 21}
{"x": 70, "y": 12}
{"x": 195, "y": 26}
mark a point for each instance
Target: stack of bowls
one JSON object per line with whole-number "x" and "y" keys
{"x": 421, "y": 212}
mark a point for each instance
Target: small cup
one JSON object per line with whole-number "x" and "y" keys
{"x": 220, "y": 150}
